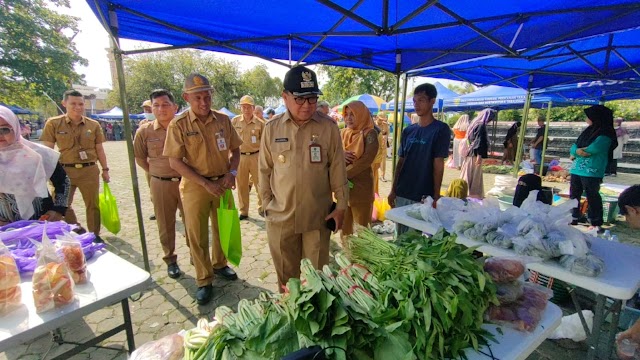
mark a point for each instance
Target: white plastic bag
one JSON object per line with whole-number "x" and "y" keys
{"x": 571, "y": 327}
{"x": 503, "y": 185}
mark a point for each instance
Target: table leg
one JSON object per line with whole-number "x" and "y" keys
{"x": 598, "y": 318}
{"x": 128, "y": 325}
{"x": 613, "y": 329}
{"x": 576, "y": 303}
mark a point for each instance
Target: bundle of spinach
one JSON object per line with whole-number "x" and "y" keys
{"x": 440, "y": 291}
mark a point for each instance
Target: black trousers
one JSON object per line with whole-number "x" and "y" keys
{"x": 612, "y": 167}
{"x": 591, "y": 186}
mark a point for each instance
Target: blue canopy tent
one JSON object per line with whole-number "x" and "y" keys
{"x": 115, "y": 114}
{"x": 603, "y": 90}
{"x": 229, "y": 113}
{"x": 390, "y": 35}
{"x": 17, "y": 109}
{"x": 280, "y": 109}
{"x": 444, "y": 94}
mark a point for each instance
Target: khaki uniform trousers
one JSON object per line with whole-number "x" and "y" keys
{"x": 167, "y": 196}
{"x": 358, "y": 213}
{"x": 148, "y": 177}
{"x": 288, "y": 248}
{"x": 200, "y": 206}
{"x": 248, "y": 167}
{"x": 87, "y": 180}
{"x": 376, "y": 178}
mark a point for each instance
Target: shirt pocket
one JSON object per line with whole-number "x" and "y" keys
{"x": 192, "y": 144}
{"x": 88, "y": 139}
{"x": 154, "y": 148}
{"x": 64, "y": 140}
{"x": 282, "y": 155}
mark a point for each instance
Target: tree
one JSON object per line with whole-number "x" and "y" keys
{"x": 264, "y": 89}
{"x": 168, "y": 69}
{"x": 37, "y": 53}
{"x": 465, "y": 88}
{"x": 346, "y": 82}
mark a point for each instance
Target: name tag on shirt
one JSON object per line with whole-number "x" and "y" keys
{"x": 83, "y": 155}
{"x": 315, "y": 153}
{"x": 62, "y": 132}
{"x": 192, "y": 133}
{"x": 282, "y": 140}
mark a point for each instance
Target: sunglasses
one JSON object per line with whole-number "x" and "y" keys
{"x": 5, "y": 130}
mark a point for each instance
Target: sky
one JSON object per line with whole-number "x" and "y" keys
{"x": 92, "y": 43}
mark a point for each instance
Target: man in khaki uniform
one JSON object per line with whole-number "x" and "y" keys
{"x": 148, "y": 146}
{"x": 79, "y": 140}
{"x": 204, "y": 148}
{"x": 301, "y": 167}
{"x": 258, "y": 111}
{"x": 250, "y": 129}
{"x": 382, "y": 121}
{"x": 148, "y": 117}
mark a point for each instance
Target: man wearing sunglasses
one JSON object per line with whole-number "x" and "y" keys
{"x": 302, "y": 168}
{"x": 79, "y": 140}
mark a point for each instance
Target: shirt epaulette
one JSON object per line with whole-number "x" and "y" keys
{"x": 180, "y": 116}
{"x": 273, "y": 119}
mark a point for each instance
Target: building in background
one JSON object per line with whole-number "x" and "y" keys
{"x": 95, "y": 99}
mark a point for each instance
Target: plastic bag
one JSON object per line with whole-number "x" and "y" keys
{"x": 503, "y": 185}
{"x": 541, "y": 247}
{"x": 10, "y": 292}
{"x": 70, "y": 250}
{"x": 413, "y": 211}
{"x": 382, "y": 205}
{"x": 504, "y": 269}
{"x": 510, "y": 292}
{"x": 170, "y": 347}
{"x": 51, "y": 281}
{"x": 525, "y": 313}
{"x": 571, "y": 327}
{"x": 109, "y": 210}
{"x": 429, "y": 214}
{"x": 588, "y": 265}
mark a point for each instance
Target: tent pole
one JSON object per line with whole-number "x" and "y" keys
{"x": 132, "y": 163}
{"x": 395, "y": 126}
{"x": 546, "y": 135}
{"x": 404, "y": 101}
{"x": 523, "y": 131}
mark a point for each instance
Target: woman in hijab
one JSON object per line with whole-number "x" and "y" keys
{"x": 459, "y": 133}
{"x": 26, "y": 167}
{"x": 622, "y": 135}
{"x": 590, "y": 154}
{"x": 360, "y": 142}
{"x": 511, "y": 143}
{"x": 478, "y": 147}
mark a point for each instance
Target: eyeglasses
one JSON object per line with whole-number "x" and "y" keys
{"x": 301, "y": 100}
{"x": 5, "y": 130}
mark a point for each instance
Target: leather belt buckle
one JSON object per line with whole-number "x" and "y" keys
{"x": 78, "y": 166}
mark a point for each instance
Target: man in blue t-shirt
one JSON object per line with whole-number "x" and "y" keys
{"x": 424, "y": 146}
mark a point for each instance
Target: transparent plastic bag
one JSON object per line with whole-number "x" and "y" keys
{"x": 588, "y": 265}
{"x": 504, "y": 269}
{"x": 525, "y": 313}
{"x": 10, "y": 292}
{"x": 51, "y": 281}
{"x": 540, "y": 247}
{"x": 170, "y": 347}
{"x": 429, "y": 214}
{"x": 511, "y": 291}
{"x": 70, "y": 250}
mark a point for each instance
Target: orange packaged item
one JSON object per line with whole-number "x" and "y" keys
{"x": 74, "y": 258}
{"x": 10, "y": 293}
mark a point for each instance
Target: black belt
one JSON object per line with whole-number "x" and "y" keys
{"x": 167, "y": 179}
{"x": 214, "y": 178}
{"x": 250, "y": 153}
{"x": 79, "y": 165}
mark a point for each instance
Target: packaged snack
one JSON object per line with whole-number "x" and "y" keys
{"x": 170, "y": 347}
{"x": 525, "y": 313}
{"x": 504, "y": 270}
{"x": 71, "y": 250}
{"x": 509, "y": 292}
{"x": 51, "y": 281}
{"x": 10, "y": 292}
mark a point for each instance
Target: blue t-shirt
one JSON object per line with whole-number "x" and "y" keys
{"x": 419, "y": 146}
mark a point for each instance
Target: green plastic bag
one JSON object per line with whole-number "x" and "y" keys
{"x": 109, "y": 210}
{"x": 229, "y": 229}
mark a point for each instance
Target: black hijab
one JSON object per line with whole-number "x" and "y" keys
{"x": 601, "y": 125}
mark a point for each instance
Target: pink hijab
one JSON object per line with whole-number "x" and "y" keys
{"x": 26, "y": 167}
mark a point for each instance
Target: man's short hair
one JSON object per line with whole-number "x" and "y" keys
{"x": 629, "y": 197}
{"x": 71, "y": 92}
{"x": 427, "y": 89}
{"x": 259, "y": 108}
{"x": 323, "y": 103}
{"x": 271, "y": 112}
{"x": 541, "y": 118}
{"x": 162, "y": 92}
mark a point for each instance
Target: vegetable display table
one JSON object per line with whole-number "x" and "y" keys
{"x": 619, "y": 281}
{"x": 517, "y": 345}
{"x": 111, "y": 280}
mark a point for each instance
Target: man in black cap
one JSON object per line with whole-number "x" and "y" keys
{"x": 301, "y": 169}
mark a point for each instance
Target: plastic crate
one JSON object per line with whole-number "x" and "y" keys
{"x": 609, "y": 209}
{"x": 560, "y": 293}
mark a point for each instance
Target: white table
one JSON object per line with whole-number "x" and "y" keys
{"x": 517, "y": 345}
{"x": 111, "y": 280}
{"x": 619, "y": 281}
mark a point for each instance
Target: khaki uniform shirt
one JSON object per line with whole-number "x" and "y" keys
{"x": 197, "y": 142}
{"x": 72, "y": 139}
{"x": 149, "y": 145}
{"x": 292, "y": 187}
{"x": 250, "y": 132}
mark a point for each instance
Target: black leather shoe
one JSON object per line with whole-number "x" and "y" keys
{"x": 227, "y": 273}
{"x": 173, "y": 271}
{"x": 98, "y": 240}
{"x": 152, "y": 217}
{"x": 244, "y": 217}
{"x": 204, "y": 294}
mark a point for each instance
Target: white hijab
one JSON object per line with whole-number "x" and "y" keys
{"x": 26, "y": 167}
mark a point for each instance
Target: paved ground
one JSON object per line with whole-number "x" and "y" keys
{"x": 168, "y": 305}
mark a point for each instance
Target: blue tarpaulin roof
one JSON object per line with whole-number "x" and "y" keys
{"x": 391, "y": 35}
{"x": 614, "y": 56}
{"x": 17, "y": 109}
{"x": 229, "y": 113}
{"x": 604, "y": 90}
{"x": 444, "y": 93}
{"x": 501, "y": 98}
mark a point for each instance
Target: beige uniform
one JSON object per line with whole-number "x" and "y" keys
{"x": 148, "y": 145}
{"x": 250, "y": 132}
{"x": 384, "y": 131}
{"x": 78, "y": 156}
{"x": 296, "y": 193}
{"x": 199, "y": 144}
